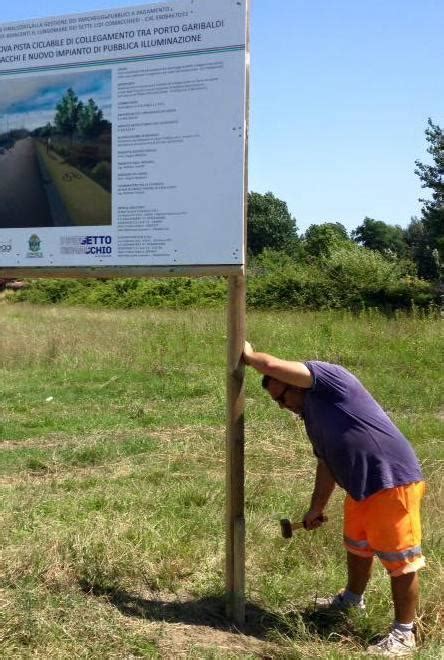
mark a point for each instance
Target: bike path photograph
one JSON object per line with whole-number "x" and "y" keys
{"x": 38, "y": 189}
{"x": 55, "y": 150}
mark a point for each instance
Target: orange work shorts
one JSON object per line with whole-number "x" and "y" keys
{"x": 388, "y": 525}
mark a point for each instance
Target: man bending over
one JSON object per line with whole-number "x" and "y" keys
{"x": 359, "y": 448}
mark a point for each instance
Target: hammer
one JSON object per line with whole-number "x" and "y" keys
{"x": 287, "y": 527}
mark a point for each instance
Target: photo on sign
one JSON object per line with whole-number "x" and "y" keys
{"x": 55, "y": 150}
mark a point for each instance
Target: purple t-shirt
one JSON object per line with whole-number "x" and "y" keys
{"x": 348, "y": 429}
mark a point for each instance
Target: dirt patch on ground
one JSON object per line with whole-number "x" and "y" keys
{"x": 181, "y": 624}
{"x": 178, "y": 640}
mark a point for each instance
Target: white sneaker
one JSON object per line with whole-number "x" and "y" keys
{"x": 395, "y": 645}
{"x": 338, "y": 602}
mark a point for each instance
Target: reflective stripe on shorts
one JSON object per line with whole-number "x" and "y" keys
{"x": 399, "y": 556}
{"x": 362, "y": 545}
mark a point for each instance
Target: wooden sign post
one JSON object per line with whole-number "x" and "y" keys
{"x": 235, "y": 443}
{"x": 235, "y": 432}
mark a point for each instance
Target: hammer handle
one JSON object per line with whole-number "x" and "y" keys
{"x": 287, "y": 527}
{"x": 302, "y": 525}
{"x": 297, "y": 525}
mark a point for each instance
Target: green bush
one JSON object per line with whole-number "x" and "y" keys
{"x": 350, "y": 277}
{"x": 41, "y": 292}
{"x": 178, "y": 292}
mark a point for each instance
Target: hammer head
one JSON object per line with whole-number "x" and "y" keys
{"x": 286, "y": 528}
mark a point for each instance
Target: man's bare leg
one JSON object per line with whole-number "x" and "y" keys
{"x": 405, "y": 591}
{"x": 359, "y": 573}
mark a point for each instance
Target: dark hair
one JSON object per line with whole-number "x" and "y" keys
{"x": 265, "y": 381}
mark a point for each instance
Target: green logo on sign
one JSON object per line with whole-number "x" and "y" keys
{"x": 34, "y": 243}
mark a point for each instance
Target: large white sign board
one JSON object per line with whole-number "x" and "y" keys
{"x": 122, "y": 137}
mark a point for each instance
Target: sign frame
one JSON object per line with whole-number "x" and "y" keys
{"x": 226, "y": 260}
{"x": 235, "y": 373}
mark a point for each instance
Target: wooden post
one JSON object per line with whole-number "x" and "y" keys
{"x": 235, "y": 439}
{"x": 235, "y": 442}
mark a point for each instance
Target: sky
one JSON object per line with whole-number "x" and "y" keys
{"x": 341, "y": 91}
{"x": 31, "y": 102}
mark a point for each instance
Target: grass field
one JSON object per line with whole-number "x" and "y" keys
{"x": 112, "y": 481}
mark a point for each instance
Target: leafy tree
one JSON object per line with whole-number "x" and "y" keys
{"x": 432, "y": 177}
{"x": 270, "y": 224}
{"x": 68, "y": 113}
{"x": 422, "y": 253}
{"x": 320, "y": 240}
{"x": 379, "y": 236}
{"x": 90, "y": 120}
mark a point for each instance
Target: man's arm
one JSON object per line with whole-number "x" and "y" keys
{"x": 323, "y": 488}
{"x": 293, "y": 373}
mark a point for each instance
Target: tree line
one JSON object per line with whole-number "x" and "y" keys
{"x": 420, "y": 245}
